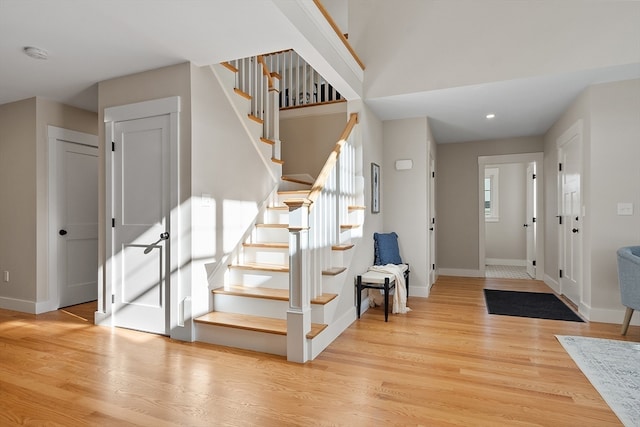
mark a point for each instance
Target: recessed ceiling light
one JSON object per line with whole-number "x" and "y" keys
{"x": 35, "y": 52}
{"x": 490, "y": 116}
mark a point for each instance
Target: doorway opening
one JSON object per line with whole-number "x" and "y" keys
{"x": 511, "y": 216}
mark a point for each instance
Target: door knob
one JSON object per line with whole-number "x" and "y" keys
{"x": 525, "y": 225}
{"x": 431, "y": 229}
{"x": 164, "y": 236}
{"x": 575, "y": 230}
{"x": 62, "y": 232}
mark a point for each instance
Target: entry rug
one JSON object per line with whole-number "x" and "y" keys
{"x": 613, "y": 367}
{"x": 528, "y": 304}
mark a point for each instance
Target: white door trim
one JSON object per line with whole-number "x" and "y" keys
{"x": 164, "y": 106}
{"x": 54, "y": 136}
{"x": 513, "y": 158}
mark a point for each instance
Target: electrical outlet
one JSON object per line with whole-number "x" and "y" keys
{"x": 6, "y": 276}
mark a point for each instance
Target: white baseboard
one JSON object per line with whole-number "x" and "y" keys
{"x": 15, "y": 304}
{"x": 552, "y": 283}
{"x": 418, "y": 291}
{"x": 459, "y": 272}
{"x": 333, "y": 331}
{"x": 500, "y": 261}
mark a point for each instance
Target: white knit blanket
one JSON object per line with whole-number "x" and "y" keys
{"x": 400, "y": 294}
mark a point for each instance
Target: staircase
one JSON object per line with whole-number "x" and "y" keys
{"x": 251, "y": 304}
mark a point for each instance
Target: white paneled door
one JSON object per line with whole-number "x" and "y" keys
{"x": 77, "y": 222}
{"x": 141, "y": 201}
{"x": 530, "y": 220}
{"x": 570, "y": 218}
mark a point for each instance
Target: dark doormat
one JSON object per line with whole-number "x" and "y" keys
{"x": 528, "y": 304}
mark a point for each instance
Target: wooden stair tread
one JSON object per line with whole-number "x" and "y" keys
{"x": 254, "y": 323}
{"x": 242, "y": 93}
{"x": 333, "y": 271}
{"x": 267, "y": 245}
{"x": 356, "y": 208}
{"x": 267, "y": 293}
{"x": 294, "y": 193}
{"x": 278, "y": 161}
{"x": 279, "y": 208}
{"x": 267, "y": 141}
{"x": 255, "y": 118}
{"x": 349, "y": 226}
{"x": 229, "y": 67}
{"x": 263, "y": 267}
{"x": 296, "y": 180}
{"x": 272, "y": 225}
{"x": 341, "y": 247}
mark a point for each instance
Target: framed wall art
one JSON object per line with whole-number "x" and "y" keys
{"x": 375, "y": 188}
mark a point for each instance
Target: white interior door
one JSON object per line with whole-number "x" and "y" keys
{"x": 141, "y": 201}
{"x": 570, "y": 216}
{"x": 432, "y": 226}
{"x": 77, "y": 223}
{"x": 530, "y": 221}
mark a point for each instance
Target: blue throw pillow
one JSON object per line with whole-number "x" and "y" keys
{"x": 386, "y": 249}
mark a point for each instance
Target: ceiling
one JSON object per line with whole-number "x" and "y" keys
{"x": 94, "y": 40}
{"x": 522, "y": 107}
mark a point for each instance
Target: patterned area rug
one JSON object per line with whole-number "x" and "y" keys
{"x": 506, "y": 272}
{"x": 613, "y": 367}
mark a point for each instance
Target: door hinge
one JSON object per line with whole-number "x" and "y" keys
{"x": 534, "y": 262}
{"x": 560, "y": 274}
{"x": 560, "y": 219}
{"x": 559, "y": 167}
{"x": 533, "y": 219}
{"x": 433, "y": 266}
{"x": 534, "y": 176}
{"x": 113, "y": 299}
{"x": 433, "y": 220}
{"x": 113, "y": 222}
{"x": 113, "y": 146}
{"x": 433, "y": 174}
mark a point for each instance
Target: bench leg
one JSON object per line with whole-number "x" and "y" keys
{"x": 359, "y": 294}
{"x": 386, "y": 299}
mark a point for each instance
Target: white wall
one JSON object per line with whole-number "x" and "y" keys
{"x": 614, "y": 178}
{"x": 405, "y": 197}
{"x": 307, "y": 139}
{"x": 420, "y": 45}
{"x": 23, "y": 191}
{"x": 505, "y": 239}
{"x": 457, "y": 197}
{"x": 611, "y": 172}
{"x": 226, "y": 166}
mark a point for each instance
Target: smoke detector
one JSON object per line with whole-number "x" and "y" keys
{"x": 35, "y": 52}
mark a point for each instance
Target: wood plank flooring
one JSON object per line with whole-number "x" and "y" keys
{"x": 446, "y": 363}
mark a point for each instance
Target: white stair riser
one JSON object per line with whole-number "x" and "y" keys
{"x": 240, "y": 338}
{"x": 320, "y": 313}
{"x": 265, "y": 149}
{"x": 266, "y": 256}
{"x": 277, "y": 216}
{"x": 274, "y": 235}
{"x": 265, "y": 279}
{"x": 252, "y": 306}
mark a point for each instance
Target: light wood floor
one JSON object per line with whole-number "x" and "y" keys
{"x": 446, "y": 363}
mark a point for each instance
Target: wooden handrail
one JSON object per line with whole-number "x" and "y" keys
{"x": 265, "y": 70}
{"x": 338, "y": 32}
{"x": 320, "y": 182}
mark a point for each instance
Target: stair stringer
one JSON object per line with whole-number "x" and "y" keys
{"x": 235, "y": 101}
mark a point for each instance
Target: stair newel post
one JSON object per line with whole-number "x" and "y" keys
{"x": 299, "y": 312}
